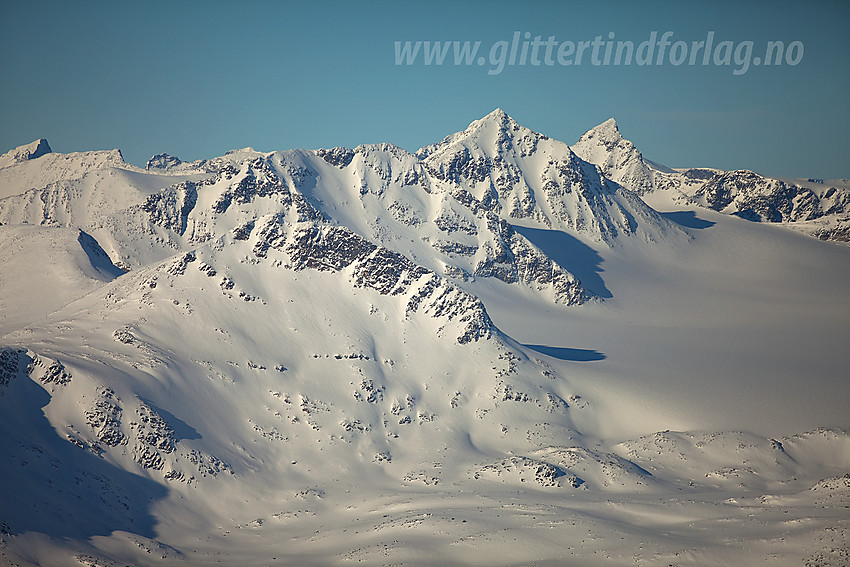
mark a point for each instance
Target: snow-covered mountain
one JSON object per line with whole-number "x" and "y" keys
{"x": 381, "y": 192}
{"x": 26, "y": 152}
{"x": 618, "y": 158}
{"x": 168, "y": 163}
{"x": 531, "y": 179}
{"x": 325, "y": 356}
{"x": 814, "y": 207}
{"x": 760, "y": 199}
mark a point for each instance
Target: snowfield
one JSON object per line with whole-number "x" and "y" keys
{"x": 499, "y": 350}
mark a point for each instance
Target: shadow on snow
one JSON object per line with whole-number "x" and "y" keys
{"x": 53, "y": 487}
{"x": 687, "y": 219}
{"x": 565, "y": 353}
{"x": 571, "y": 254}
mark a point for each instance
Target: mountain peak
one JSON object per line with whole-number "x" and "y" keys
{"x": 497, "y": 114}
{"x": 498, "y": 117}
{"x": 26, "y": 152}
{"x": 163, "y": 161}
{"x": 488, "y": 130}
{"x": 245, "y": 150}
{"x": 494, "y": 126}
{"x": 608, "y": 130}
{"x": 618, "y": 158}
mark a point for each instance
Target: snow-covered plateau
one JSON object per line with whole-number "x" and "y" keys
{"x": 497, "y": 350}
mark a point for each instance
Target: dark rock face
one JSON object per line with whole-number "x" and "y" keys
{"x": 56, "y": 374}
{"x": 154, "y": 437}
{"x": 162, "y": 161}
{"x": 41, "y": 149}
{"x": 104, "y": 418}
{"x": 10, "y": 364}
{"x": 170, "y": 209}
{"x": 326, "y": 248}
{"x": 699, "y": 174}
{"x": 243, "y": 232}
{"x": 340, "y": 157}
{"x": 331, "y": 248}
{"x": 462, "y": 165}
{"x": 260, "y": 181}
{"x": 756, "y": 198}
{"x": 839, "y": 233}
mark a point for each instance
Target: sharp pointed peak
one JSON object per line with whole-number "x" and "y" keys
{"x": 493, "y": 126}
{"x": 496, "y": 121}
{"x": 607, "y": 132}
{"x": 498, "y": 116}
{"x": 609, "y": 128}
{"x": 41, "y": 147}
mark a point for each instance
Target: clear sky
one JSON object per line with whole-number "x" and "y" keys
{"x": 197, "y": 78}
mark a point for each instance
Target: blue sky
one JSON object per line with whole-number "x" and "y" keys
{"x": 195, "y": 79}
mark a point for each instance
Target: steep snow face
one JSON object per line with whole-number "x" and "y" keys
{"x": 24, "y": 153}
{"x": 386, "y": 195}
{"x": 381, "y": 192}
{"x": 528, "y": 178}
{"x": 618, "y": 158}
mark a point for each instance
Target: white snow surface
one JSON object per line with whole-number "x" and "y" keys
{"x": 618, "y": 158}
{"x": 484, "y": 353}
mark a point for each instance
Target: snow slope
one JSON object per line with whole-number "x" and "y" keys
{"x": 742, "y": 328}
{"x": 321, "y": 357}
{"x": 44, "y": 269}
